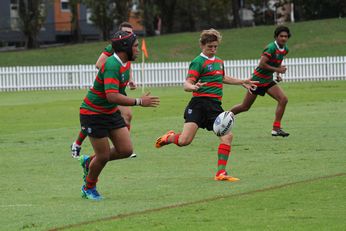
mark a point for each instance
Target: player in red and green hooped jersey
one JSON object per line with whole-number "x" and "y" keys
{"x": 270, "y": 63}
{"x": 205, "y": 80}
{"x": 100, "y": 116}
{"x": 125, "y": 111}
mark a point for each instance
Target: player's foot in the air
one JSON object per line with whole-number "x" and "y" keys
{"x": 75, "y": 150}
{"x": 224, "y": 177}
{"x": 279, "y": 132}
{"x": 161, "y": 141}
{"x": 91, "y": 194}
{"x": 84, "y": 162}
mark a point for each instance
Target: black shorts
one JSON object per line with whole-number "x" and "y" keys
{"x": 99, "y": 126}
{"x": 202, "y": 111}
{"x": 262, "y": 90}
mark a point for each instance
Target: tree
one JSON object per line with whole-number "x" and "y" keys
{"x": 236, "y": 16}
{"x": 103, "y": 15}
{"x": 122, "y": 10}
{"x": 31, "y": 17}
{"x": 106, "y": 13}
{"x": 75, "y": 27}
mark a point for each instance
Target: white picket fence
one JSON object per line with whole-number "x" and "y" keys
{"x": 161, "y": 74}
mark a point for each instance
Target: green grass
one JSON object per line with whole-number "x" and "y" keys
{"x": 286, "y": 184}
{"x": 309, "y": 39}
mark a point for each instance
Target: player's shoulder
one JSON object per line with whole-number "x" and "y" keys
{"x": 112, "y": 63}
{"x": 217, "y": 58}
{"x": 270, "y": 46}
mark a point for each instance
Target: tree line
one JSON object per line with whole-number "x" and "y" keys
{"x": 175, "y": 15}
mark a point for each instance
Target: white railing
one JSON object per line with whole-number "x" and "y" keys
{"x": 161, "y": 74}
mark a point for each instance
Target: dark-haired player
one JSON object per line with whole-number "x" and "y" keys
{"x": 100, "y": 116}
{"x": 125, "y": 111}
{"x": 270, "y": 63}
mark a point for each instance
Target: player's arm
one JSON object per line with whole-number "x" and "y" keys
{"x": 263, "y": 63}
{"x": 192, "y": 82}
{"x": 145, "y": 101}
{"x": 101, "y": 60}
{"x": 247, "y": 83}
{"x": 190, "y": 85}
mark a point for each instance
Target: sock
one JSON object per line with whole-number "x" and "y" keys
{"x": 276, "y": 125}
{"x": 174, "y": 139}
{"x": 90, "y": 183}
{"x": 81, "y": 137}
{"x": 223, "y": 153}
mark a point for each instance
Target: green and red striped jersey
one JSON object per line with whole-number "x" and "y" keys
{"x": 275, "y": 55}
{"x": 111, "y": 78}
{"x": 209, "y": 71}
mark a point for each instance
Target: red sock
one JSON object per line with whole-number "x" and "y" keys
{"x": 176, "y": 139}
{"x": 276, "y": 125}
{"x": 90, "y": 183}
{"x": 223, "y": 153}
{"x": 81, "y": 137}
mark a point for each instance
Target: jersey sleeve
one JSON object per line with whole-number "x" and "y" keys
{"x": 194, "y": 71}
{"x": 108, "y": 50}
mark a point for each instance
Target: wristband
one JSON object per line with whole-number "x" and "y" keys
{"x": 138, "y": 101}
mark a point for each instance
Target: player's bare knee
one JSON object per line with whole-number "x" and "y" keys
{"x": 284, "y": 100}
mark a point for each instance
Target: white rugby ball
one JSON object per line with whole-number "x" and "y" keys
{"x": 223, "y": 123}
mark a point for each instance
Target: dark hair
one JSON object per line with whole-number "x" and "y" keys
{"x": 280, "y": 29}
{"x": 125, "y": 24}
{"x": 123, "y": 41}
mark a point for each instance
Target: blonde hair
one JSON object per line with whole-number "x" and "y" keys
{"x": 208, "y": 36}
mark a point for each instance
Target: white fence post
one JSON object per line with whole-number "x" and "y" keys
{"x": 162, "y": 74}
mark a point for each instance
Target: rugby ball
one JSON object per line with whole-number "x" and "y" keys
{"x": 223, "y": 123}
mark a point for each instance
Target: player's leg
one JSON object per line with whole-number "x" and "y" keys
{"x": 126, "y": 113}
{"x": 102, "y": 154}
{"x": 248, "y": 100}
{"x": 180, "y": 139}
{"x": 122, "y": 145}
{"x": 223, "y": 153}
{"x": 277, "y": 93}
{"x": 77, "y": 145}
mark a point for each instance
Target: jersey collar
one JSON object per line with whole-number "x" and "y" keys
{"x": 204, "y": 56}
{"x": 121, "y": 62}
{"x": 277, "y": 45}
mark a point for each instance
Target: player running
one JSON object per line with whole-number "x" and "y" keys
{"x": 126, "y": 112}
{"x": 270, "y": 63}
{"x": 100, "y": 116}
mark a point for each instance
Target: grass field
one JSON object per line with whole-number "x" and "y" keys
{"x": 296, "y": 183}
{"x": 309, "y": 39}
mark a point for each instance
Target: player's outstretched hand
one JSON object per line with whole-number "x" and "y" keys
{"x": 149, "y": 100}
{"x": 250, "y": 85}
